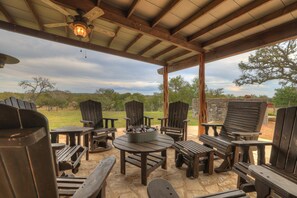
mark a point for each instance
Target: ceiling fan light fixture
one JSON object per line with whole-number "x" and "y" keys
{"x": 80, "y": 29}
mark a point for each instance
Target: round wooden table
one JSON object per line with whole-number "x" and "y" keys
{"x": 141, "y": 154}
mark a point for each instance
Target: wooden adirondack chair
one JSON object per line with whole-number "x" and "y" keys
{"x": 135, "y": 115}
{"x": 91, "y": 112}
{"x": 67, "y": 157}
{"x": 177, "y": 123}
{"x": 243, "y": 121}
{"x": 27, "y": 165}
{"x": 280, "y": 174}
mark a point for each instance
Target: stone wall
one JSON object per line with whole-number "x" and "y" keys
{"x": 217, "y": 108}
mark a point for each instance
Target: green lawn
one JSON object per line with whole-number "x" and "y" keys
{"x": 72, "y": 117}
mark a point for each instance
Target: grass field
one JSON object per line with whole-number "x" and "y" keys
{"x": 62, "y": 118}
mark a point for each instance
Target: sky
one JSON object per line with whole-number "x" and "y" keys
{"x": 70, "y": 70}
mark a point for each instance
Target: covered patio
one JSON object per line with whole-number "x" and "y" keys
{"x": 174, "y": 34}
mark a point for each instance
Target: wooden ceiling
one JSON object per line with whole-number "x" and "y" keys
{"x": 164, "y": 32}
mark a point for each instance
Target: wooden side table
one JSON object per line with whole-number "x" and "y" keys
{"x": 196, "y": 156}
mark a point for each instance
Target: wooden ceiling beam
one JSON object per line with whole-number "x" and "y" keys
{"x": 168, "y": 49}
{"x": 290, "y": 8}
{"x": 176, "y": 56}
{"x": 230, "y": 17}
{"x": 134, "y": 23}
{"x": 151, "y": 46}
{"x": 33, "y": 11}
{"x": 44, "y": 35}
{"x": 165, "y": 11}
{"x": 183, "y": 64}
{"x": 66, "y": 27}
{"x": 196, "y": 15}
{"x": 112, "y": 39}
{"x": 6, "y": 14}
{"x": 133, "y": 7}
{"x": 133, "y": 42}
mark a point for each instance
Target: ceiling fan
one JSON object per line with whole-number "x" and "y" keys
{"x": 80, "y": 23}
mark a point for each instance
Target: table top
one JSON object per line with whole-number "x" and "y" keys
{"x": 161, "y": 143}
{"x": 72, "y": 129}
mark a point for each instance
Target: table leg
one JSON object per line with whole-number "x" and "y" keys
{"x": 209, "y": 164}
{"x": 67, "y": 139}
{"x": 72, "y": 139}
{"x": 123, "y": 162}
{"x": 78, "y": 139}
{"x": 143, "y": 168}
{"x": 86, "y": 144}
{"x": 54, "y": 138}
{"x": 164, "y": 154}
{"x": 195, "y": 166}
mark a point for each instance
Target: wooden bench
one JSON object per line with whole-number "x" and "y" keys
{"x": 279, "y": 175}
{"x": 68, "y": 157}
{"x": 243, "y": 122}
{"x": 196, "y": 156}
{"x": 160, "y": 188}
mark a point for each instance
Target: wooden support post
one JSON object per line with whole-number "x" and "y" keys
{"x": 202, "y": 99}
{"x": 165, "y": 92}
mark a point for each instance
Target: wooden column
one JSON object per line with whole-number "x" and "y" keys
{"x": 202, "y": 99}
{"x": 165, "y": 92}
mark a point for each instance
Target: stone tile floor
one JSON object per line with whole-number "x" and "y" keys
{"x": 130, "y": 186}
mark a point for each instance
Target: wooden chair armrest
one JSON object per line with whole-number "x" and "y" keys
{"x": 273, "y": 181}
{"x": 114, "y": 119}
{"x": 250, "y": 143}
{"x": 148, "y": 117}
{"x": 94, "y": 184}
{"x": 57, "y": 146}
{"x": 87, "y": 122}
{"x": 245, "y": 134}
{"x": 212, "y": 124}
{"x": 186, "y": 120}
{"x": 162, "y": 118}
{"x": 127, "y": 118}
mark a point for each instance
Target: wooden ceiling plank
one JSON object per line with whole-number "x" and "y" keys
{"x": 36, "y": 17}
{"x": 133, "y": 7}
{"x": 165, "y": 11}
{"x": 61, "y": 39}
{"x": 290, "y": 8}
{"x": 151, "y": 46}
{"x": 117, "y": 16}
{"x": 230, "y": 17}
{"x": 133, "y": 42}
{"x": 6, "y": 14}
{"x": 178, "y": 55}
{"x": 168, "y": 49}
{"x": 112, "y": 39}
{"x": 196, "y": 15}
{"x": 66, "y": 27}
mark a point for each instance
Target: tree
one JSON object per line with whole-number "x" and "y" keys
{"x": 277, "y": 62}
{"x": 38, "y": 86}
{"x": 108, "y": 98}
{"x": 285, "y": 96}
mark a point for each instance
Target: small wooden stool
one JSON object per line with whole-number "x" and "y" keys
{"x": 196, "y": 156}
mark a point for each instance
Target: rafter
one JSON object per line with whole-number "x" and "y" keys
{"x": 165, "y": 11}
{"x": 176, "y": 56}
{"x": 6, "y": 14}
{"x": 133, "y": 42}
{"x": 133, "y": 7}
{"x": 118, "y": 17}
{"x": 168, "y": 49}
{"x": 196, "y": 15}
{"x": 61, "y": 39}
{"x": 151, "y": 46}
{"x": 182, "y": 64}
{"x": 30, "y": 6}
{"x": 112, "y": 39}
{"x": 233, "y": 15}
{"x": 290, "y": 8}
{"x": 66, "y": 27}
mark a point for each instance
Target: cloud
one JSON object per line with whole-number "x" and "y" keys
{"x": 67, "y": 66}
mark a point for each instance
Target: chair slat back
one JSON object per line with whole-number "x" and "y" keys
{"x": 26, "y": 168}
{"x": 244, "y": 117}
{"x": 178, "y": 112}
{"x": 92, "y": 111}
{"x": 284, "y": 148}
{"x": 135, "y": 111}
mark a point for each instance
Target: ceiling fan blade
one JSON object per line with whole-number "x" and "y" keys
{"x": 94, "y": 13}
{"x": 53, "y": 25}
{"x": 56, "y": 7}
{"x": 104, "y": 31}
